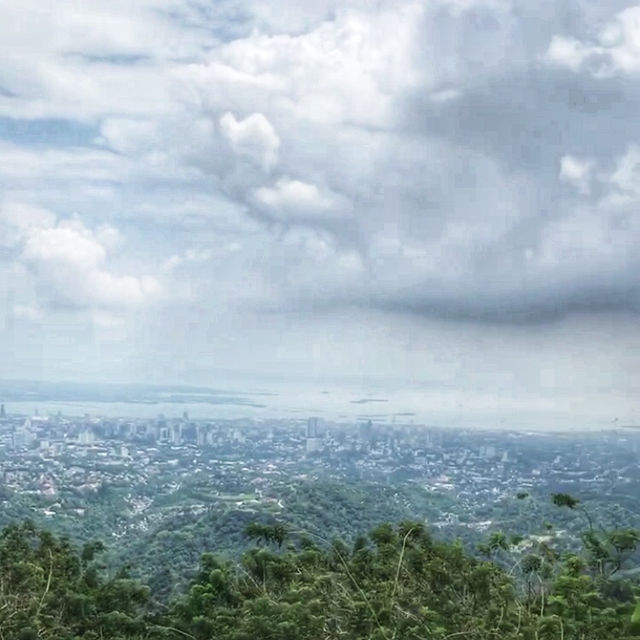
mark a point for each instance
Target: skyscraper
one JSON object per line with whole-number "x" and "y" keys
{"x": 314, "y": 445}
{"x": 314, "y": 439}
{"x": 175, "y": 434}
{"x": 365, "y": 432}
{"x": 86, "y": 436}
{"x": 201, "y": 435}
{"x": 313, "y": 427}
{"x": 23, "y": 436}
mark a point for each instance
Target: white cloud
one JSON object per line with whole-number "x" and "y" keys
{"x": 253, "y": 138}
{"x": 29, "y": 313}
{"x": 70, "y": 259}
{"x": 18, "y": 219}
{"x": 577, "y": 172}
{"x": 616, "y": 49}
{"x": 66, "y": 61}
{"x": 64, "y": 245}
{"x": 626, "y": 177}
{"x": 567, "y": 52}
{"x": 293, "y": 199}
{"x": 309, "y": 267}
{"x": 27, "y": 165}
{"x": 129, "y": 136}
{"x": 109, "y": 237}
{"x": 444, "y": 95}
{"x": 189, "y": 258}
{"x": 343, "y": 70}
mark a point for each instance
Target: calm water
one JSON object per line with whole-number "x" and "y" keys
{"x": 416, "y": 405}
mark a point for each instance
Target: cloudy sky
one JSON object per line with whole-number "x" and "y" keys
{"x": 440, "y": 196}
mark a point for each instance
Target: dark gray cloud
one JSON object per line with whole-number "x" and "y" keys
{"x": 527, "y": 120}
{"x": 498, "y": 101}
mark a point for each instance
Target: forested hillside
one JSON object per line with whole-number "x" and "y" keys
{"x": 395, "y": 583}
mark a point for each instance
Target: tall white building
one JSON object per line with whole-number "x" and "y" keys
{"x": 313, "y": 445}
{"x": 86, "y": 437}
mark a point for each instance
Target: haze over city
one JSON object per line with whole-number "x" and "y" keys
{"x": 429, "y": 203}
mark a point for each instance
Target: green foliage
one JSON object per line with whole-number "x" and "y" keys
{"x": 48, "y": 589}
{"x": 396, "y": 583}
{"x": 269, "y": 534}
{"x": 402, "y": 584}
{"x": 635, "y": 617}
{"x": 564, "y": 500}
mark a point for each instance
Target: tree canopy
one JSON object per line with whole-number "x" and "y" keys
{"x": 395, "y": 583}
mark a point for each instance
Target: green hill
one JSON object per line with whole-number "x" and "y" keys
{"x": 395, "y": 583}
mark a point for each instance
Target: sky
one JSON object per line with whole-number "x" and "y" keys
{"x": 436, "y": 197}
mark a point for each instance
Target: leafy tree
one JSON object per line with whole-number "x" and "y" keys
{"x": 397, "y": 583}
